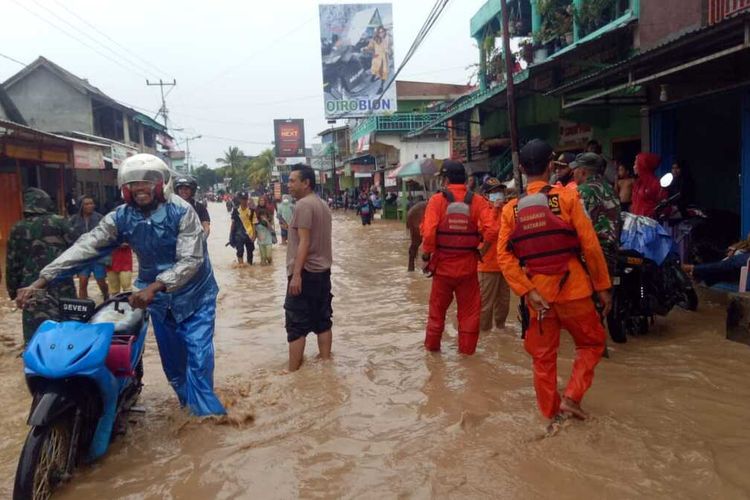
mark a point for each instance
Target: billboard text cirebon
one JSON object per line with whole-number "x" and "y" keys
{"x": 357, "y": 52}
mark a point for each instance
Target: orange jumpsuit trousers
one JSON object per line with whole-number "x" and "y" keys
{"x": 466, "y": 289}
{"x": 580, "y": 318}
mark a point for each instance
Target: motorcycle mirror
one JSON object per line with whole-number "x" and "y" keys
{"x": 666, "y": 180}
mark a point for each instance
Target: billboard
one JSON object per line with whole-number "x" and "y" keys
{"x": 357, "y": 53}
{"x": 290, "y": 138}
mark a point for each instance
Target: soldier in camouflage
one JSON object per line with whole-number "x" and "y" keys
{"x": 600, "y": 202}
{"x": 34, "y": 242}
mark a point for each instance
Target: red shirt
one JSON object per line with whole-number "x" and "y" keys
{"x": 122, "y": 260}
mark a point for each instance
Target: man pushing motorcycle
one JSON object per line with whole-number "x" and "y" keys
{"x": 175, "y": 279}
{"x": 543, "y": 237}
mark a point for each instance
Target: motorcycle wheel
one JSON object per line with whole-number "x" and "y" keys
{"x": 690, "y": 301}
{"x": 616, "y": 327}
{"x": 43, "y": 462}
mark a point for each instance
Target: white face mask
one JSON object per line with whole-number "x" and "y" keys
{"x": 497, "y": 197}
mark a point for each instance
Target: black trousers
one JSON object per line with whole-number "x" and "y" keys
{"x": 248, "y": 245}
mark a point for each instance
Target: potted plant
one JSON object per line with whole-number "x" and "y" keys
{"x": 593, "y": 14}
{"x": 527, "y": 51}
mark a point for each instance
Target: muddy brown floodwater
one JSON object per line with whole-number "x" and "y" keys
{"x": 671, "y": 411}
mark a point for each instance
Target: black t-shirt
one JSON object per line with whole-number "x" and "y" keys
{"x": 201, "y": 210}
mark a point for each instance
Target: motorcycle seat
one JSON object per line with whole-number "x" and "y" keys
{"x": 127, "y": 322}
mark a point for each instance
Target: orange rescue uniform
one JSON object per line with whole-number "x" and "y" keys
{"x": 454, "y": 274}
{"x": 571, "y": 305}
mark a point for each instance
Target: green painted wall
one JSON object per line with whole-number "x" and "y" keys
{"x": 539, "y": 116}
{"x": 409, "y": 105}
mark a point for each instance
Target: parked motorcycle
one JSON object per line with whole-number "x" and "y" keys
{"x": 643, "y": 286}
{"x": 84, "y": 374}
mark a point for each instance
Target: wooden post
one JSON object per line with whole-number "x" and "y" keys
{"x": 61, "y": 191}
{"x": 20, "y": 181}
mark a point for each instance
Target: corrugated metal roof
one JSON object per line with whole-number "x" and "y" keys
{"x": 651, "y": 52}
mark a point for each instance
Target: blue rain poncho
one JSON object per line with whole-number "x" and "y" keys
{"x": 171, "y": 249}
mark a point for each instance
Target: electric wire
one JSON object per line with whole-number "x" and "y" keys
{"x": 101, "y": 44}
{"x": 92, "y": 26}
{"x": 14, "y": 60}
{"x": 429, "y": 23}
{"x": 82, "y": 42}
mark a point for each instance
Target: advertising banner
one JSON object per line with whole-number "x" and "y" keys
{"x": 290, "y": 138}
{"x": 357, "y": 54}
{"x": 87, "y": 157}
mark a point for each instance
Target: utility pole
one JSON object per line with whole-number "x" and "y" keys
{"x": 512, "y": 117}
{"x": 163, "y": 110}
{"x": 187, "y": 152}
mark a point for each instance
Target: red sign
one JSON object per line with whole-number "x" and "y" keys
{"x": 290, "y": 137}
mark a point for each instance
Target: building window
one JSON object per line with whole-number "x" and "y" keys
{"x": 416, "y": 156}
{"x": 149, "y": 138}
{"x": 432, "y": 156}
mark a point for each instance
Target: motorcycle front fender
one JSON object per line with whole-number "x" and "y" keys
{"x": 48, "y": 407}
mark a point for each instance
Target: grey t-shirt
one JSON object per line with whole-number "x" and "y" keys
{"x": 311, "y": 213}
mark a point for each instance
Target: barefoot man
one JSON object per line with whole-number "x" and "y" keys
{"x": 308, "y": 261}
{"x": 542, "y": 237}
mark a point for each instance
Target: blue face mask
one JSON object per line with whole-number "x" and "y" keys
{"x": 497, "y": 197}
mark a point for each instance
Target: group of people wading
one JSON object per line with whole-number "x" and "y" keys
{"x": 538, "y": 244}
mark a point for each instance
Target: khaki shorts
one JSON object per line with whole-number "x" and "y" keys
{"x": 119, "y": 281}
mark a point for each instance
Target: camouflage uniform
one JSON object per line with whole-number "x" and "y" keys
{"x": 34, "y": 242}
{"x": 603, "y": 207}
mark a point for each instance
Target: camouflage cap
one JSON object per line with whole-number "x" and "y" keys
{"x": 37, "y": 201}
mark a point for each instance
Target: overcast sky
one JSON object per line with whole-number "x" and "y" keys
{"x": 238, "y": 65}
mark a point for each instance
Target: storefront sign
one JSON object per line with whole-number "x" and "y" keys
{"x": 390, "y": 181}
{"x": 292, "y": 160}
{"x": 363, "y": 144}
{"x": 87, "y": 157}
{"x": 575, "y": 134}
{"x": 357, "y": 54}
{"x": 25, "y": 152}
{"x": 120, "y": 153}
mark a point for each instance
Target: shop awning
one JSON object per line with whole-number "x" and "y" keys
{"x": 700, "y": 46}
{"x": 21, "y": 142}
{"x": 419, "y": 168}
{"x": 467, "y": 103}
{"x": 150, "y": 122}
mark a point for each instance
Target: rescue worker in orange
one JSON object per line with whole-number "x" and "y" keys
{"x": 493, "y": 288}
{"x": 454, "y": 225}
{"x": 542, "y": 238}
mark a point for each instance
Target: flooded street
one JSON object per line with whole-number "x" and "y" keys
{"x": 384, "y": 419}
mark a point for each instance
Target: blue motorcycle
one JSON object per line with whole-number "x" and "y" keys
{"x": 84, "y": 374}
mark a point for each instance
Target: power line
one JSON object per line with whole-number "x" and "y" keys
{"x": 229, "y": 139}
{"x": 90, "y": 37}
{"x": 144, "y": 61}
{"x": 437, "y": 9}
{"x": 253, "y": 54}
{"x": 14, "y": 60}
{"x": 65, "y": 32}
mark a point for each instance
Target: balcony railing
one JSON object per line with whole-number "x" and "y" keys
{"x": 718, "y": 10}
{"x": 398, "y": 122}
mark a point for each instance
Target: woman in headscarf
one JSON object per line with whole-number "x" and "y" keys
{"x": 284, "y": 214}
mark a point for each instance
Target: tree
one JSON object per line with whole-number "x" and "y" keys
{"x": 259, "y": 169}
{"x": 205, "y": 177}
{"x": 233, "y": 160}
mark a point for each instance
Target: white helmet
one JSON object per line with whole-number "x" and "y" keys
{"x": 148, "y": 168}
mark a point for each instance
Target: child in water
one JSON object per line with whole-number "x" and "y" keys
{"x": 265, "y": 231}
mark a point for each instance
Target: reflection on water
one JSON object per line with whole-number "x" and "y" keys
{"x": 384, "y": 419}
